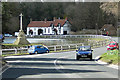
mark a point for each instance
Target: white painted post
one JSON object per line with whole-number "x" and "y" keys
{"x": 61, "y": 48}
{"x": 76, "y": 46}
{"x": 15, "y": 51}
{"x": 101, "y": 43}
{"x": 76, "y": 36}
{"x": 89, "y": 44}
{"x": 82, "y": 44}
{"x": 54, "y": 48}
{"x": 69, "y": 46}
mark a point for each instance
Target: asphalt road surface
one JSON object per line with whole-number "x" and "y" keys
{"x": 58, "y": 65}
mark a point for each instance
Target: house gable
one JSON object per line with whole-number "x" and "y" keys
{"x": 55, "y": 22}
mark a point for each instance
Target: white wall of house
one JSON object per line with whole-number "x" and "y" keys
{"x": 28, "y": 30}
{"x": 34, "y": 29}
{"x": 61, "y": 30}
{"x": 66, "y": 27}
{"x": 48, "y": 30}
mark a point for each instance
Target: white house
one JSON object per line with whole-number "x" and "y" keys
{"x": 57, "y": 27}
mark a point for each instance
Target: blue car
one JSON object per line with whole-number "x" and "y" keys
{"x": 38, "y": 49}
{"x": 84, "y": 52}
{"x": 1, "y": 38}
{"x": 7, "y": 35}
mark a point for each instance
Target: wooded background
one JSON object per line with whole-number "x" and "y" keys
{"x": 82, "y": 15}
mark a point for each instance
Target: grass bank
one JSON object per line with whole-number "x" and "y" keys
{"x": 2, "y": 61}
{"x": 20, "y": 45}
{"x": 10, "y": 46}
{"x": 18, "y": 54}
{"x": 111, "y": 57}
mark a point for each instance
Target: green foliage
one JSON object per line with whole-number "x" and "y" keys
{"x": 9, "y": 46}
{"x": 87, "y": 15}
{"x": 18, "y": 54}
{"x": 10, "y": 19}
{"x": 112, "y": 57}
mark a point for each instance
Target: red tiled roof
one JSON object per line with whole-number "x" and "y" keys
{"x": 47, "y": 23}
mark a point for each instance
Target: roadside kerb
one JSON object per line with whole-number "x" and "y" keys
{"x": 97, "y": 60}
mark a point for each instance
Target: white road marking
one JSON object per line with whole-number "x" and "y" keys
{"x": 61, "y": 67}
{"x": 29, "y": 56}
{"x": 109, "y": 65}
{"x": 113, "y": 66}
{"x": 19, "y": 61}
{"x": 101, "y": 62}
{"x": 5, "y": 69}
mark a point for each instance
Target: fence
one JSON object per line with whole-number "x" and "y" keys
{"x": 69, "y": 36}
{"x": 56, "y": 47}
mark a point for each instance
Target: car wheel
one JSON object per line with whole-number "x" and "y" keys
{"x": 91, "y": 57}
{"x": 77, "y": 57}
{"x": 47, "y": 51}
{"x": 30, "y": 53}
{"x": 36, "y": 52}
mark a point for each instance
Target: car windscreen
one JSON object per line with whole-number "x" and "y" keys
{"x": 84, "y": 48}
{"x": 112, "y": 44}
{"x": 32, "y": 47}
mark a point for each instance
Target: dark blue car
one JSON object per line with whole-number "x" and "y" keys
{"x": 84, "y": 52}
{"x": 38, "y": 49}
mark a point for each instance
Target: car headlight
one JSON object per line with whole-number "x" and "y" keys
{"x": 78, "y": 54}
{"x": 89, "y": 53}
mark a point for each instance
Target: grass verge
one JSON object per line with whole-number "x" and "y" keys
{"x": 10, "y": 46}
{"x": 18, "y": 54}
{"x": 20, "y": 45}
{"x": 111, "y": 57}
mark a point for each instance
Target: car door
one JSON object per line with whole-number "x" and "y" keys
{"x": 38, "y": 49}
{"x": 43, "y": 49}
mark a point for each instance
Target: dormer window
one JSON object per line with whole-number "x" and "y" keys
{"x": 59, "y": 25}
{"x": 52, "y": 26}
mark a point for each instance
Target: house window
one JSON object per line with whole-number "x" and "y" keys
{"x": 59, "y": 26}
{"x": 45, "y": 30}
{"x": 48, "y": 30}
{"x": 60, "y": 31}
{"x": 52, "y": 26}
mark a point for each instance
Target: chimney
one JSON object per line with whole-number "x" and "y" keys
{"x": 54, "y": 19}
{"x": 45, "y": 20}
{"x": 59, "y": 18}
{"x": 66, "y": 19}
{"x": 30, "y": 19}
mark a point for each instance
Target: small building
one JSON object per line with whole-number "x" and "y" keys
{"x": 55, "y": 27}
{"x": 108, "y": 29}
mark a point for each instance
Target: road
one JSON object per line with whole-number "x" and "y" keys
{"x": 58, "y": 65}
{"x": 117, "y": 39}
